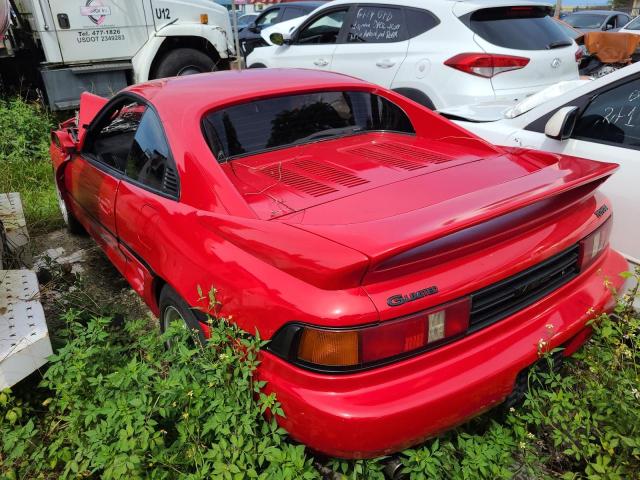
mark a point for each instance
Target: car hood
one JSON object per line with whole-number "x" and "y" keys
{"x": 479, "y": 112}
{"x": 497, "y": 110}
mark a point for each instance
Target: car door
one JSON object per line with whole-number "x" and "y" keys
{"x": 148, "y": 192}
{"x": 607, "y": 129}
{"x": 621, "y": 20}
{"x": 92, "y": 178}
{"x": 250, "y": 37}
{"x": 314, "y": 42}
{"x": 375, "y": 44}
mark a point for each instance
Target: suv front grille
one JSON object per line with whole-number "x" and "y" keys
{"x": 506, "y": 297}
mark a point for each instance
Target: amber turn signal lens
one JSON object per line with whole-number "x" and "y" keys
{"x": 204, "y": 18}
{"x": 329, "y": 347}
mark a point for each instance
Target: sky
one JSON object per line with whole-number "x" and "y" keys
{"x": 580, "y": 3}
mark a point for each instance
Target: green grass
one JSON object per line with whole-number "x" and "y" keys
{"x": 24, "y": 162}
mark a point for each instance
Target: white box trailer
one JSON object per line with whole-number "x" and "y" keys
{"x": 102, "y": 45}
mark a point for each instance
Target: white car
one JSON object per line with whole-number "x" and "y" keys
{"x": 438, "y": 53}
{"x": 632, "y": 27}
{"x": 599, "y": 119}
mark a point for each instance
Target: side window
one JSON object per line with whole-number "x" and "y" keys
{"x": 419, "y": 21}
{"x": 611, "y": 23}
{"x": 377, "y": 24}
{"x": 635, "y": 25}
{"x": 150, "y": 162}
{"x": 292, "y": 12}
{"x": 621, "y": 21}
{"x": 268, "y": 18}
{"x": 613, "y": 117}
{"x": 109, "y": 142}
{"x": 324, "y": 29}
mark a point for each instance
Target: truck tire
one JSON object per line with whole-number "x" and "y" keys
{"x": 184, "y": 61}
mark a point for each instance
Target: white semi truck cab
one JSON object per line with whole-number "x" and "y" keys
{"x": 103, "y": 45}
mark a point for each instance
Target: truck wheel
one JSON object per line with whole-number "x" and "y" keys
{"x": 184, "y": 61}
{"x": 174, "y": 308}
{"x": 70, "y": 221}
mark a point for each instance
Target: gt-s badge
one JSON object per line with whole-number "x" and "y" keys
{"x": 397, "y": 300}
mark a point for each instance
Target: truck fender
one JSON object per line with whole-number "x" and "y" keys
{"x": 145, "y": 57}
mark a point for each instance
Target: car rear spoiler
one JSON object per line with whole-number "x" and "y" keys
{"x": 567, "y": 180}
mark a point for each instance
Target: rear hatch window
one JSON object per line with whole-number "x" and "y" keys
{"x": 517, "y": 27}
{"x": 585, "y": 20}
{"x": 284, "y": 121}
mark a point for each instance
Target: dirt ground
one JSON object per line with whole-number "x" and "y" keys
{"x": 74, "y": 273}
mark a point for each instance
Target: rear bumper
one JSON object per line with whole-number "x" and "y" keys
{"x": 386, "y": 409}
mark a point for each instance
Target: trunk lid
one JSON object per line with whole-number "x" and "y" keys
{"x": 409, "y": 222}
{"x": 406, "y": 202}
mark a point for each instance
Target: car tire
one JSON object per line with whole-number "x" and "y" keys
{"x": 172, "y": 308}
{"x": 184, "y": 61}
{"x": 71, "y": 222}
{"x": 257, "y": 65}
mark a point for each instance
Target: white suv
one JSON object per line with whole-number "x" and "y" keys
{"x": 438, "y": 53}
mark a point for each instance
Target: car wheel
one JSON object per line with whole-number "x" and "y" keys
{"x": 70, "y": 221}
{"x": 174, "y": 308}
{"x": 184, "y": 61}
{"x": 257, "y": 65}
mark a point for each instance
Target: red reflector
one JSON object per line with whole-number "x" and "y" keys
{"x": 594, "y": 244}
{"x": 579, "y": 55}
{"x": 457, "y": 317}
{"x": 486, "y": 65}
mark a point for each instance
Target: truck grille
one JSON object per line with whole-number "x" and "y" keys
{"x": 521, "y": 290}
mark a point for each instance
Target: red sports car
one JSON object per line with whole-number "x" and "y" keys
{"x": 406, "y": 272}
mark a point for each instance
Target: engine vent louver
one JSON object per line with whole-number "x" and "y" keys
{"x": 283, "y": 174}
{"x": 397, "y": 155}
{"x": 329, "y": 173}
{"x": 170, "y": 183}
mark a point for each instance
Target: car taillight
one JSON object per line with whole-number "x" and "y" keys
{"x": 486, "y": 65}
{"x": 579, "y": 55}
{"x": 353, "y": 348}
{"x": 594, "y": 244}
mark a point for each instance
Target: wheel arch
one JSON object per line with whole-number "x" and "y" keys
{"x": 417, "y": 96}
{"x": 200, "y": 44}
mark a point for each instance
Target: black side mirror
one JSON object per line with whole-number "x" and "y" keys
{"x": 253, "y": 27}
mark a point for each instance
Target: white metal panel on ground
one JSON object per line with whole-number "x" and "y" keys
{"x": 15, "y": 226}
{"x": 24, "y": 337}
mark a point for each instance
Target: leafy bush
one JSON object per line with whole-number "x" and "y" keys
{"x": 120, "y": 406}
{"x": 24, "y": 161}
{"x": 115, "y": 404}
